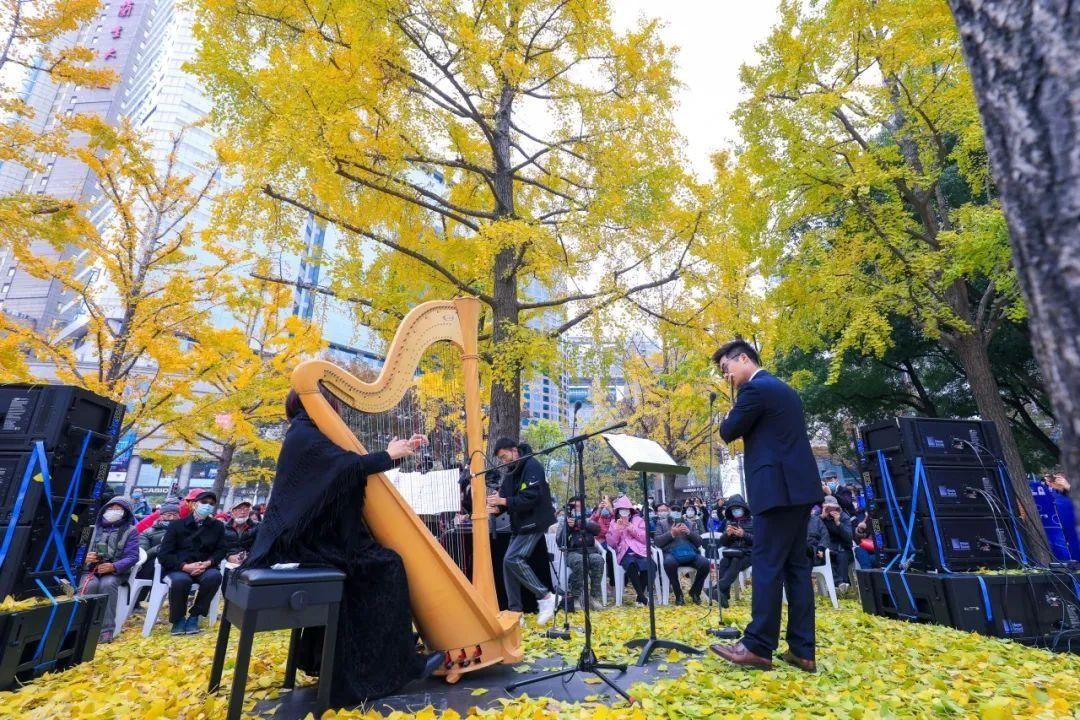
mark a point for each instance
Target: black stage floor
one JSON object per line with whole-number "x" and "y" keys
{"x": 296, "y": 704}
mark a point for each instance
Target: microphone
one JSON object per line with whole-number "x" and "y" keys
{"x": 712, "y": 397}
{"x": 577, "y": 406}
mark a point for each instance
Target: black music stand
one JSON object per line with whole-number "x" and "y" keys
{"x": 645, "y": 456}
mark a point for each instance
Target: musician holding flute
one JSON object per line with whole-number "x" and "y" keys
{"x": 314, "y": 517}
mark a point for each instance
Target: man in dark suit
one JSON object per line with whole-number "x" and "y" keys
{"x": 782, "y": 486}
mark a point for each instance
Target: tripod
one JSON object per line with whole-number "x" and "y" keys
{"x": 587, "y": 661}
{"x": 715, "y": 552}
{"x": 651, "y": 643}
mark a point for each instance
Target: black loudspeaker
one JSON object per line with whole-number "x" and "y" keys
{"x": 1022, "y": 606}
{"x": 932, "y": 439}
{"x": 919, "y": 597}
{"x": 954, "y": 489}
{"x": 58, "y": 415}
{"x": 89, "y": 481}
{"x": 953, "y": 543}
{"x": 32, "y": 551}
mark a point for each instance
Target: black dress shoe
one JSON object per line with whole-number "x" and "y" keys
{"x": 434, "y": 662}
{"x": 695, "y": 598}
{"x": 679, "y": 600}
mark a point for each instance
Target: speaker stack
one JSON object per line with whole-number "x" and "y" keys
{"x": 940, "y": 506}
{"x": 56, "y": 442}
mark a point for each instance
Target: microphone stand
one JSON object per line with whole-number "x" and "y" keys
{"x": 551, "y": 632}
{"x": 724, "y": 633}
{"x": 587, "y": 661}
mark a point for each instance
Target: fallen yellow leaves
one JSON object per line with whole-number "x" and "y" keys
{"x": 869, "y": 668}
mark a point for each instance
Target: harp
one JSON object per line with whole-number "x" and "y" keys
{"x": 455, "y": 616}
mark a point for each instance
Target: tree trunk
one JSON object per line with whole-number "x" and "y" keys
{"x": 224, "y": 465}
{"x": 975, "y": 360}
{"x": 1024, "y": 57}
{"x": 505, "y": 410}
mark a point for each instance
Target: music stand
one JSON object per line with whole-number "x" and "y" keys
{"x": 645, "y": 456}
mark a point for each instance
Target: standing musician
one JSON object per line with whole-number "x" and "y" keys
{"x": 526, "y": 497}
{"x": 782, "y": 486}
{"x": 314, "y": 518}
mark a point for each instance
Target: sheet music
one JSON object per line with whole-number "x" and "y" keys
{"x": 428, "y": 493}
{"x": 633, "y": 450}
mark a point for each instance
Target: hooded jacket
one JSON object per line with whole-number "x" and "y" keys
{"x": 630, "y": 538}
{"x": 746, "y": 522}
{"x": 120, "y": 540}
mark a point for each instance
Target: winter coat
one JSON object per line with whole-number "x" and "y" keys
{"x": 141, "y": 508}
{"x": 829, "y": 535}
{"x": 152, "y": 518}
{"x": 578, "y": 537}
{"x": 746, "y": 522}
{"x": 528, "y": 497}
{"x": 604, "y": 523}
{"x": 121, "y": 539}
{"x": 670, "y": 543}
{"x": 240, "y": 537}
{"x": 151, "y": 539}
{"x": 630, "y": 538}
{"x": 188, "y": 541}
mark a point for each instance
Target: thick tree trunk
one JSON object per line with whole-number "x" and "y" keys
{"x": 975, "y": 360}
{"x": 224, "y": 466}
{"x": 1024, "y": 57}
{"x": 505, "y": 411}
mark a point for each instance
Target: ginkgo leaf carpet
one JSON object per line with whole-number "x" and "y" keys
{"x": 869, "y": 667}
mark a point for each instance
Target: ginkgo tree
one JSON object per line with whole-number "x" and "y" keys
{"x": 255, "y": 354}
{"x": 144, "y": 278}
{"x": 861, "y": 130}
{"x": 522, "y": 152}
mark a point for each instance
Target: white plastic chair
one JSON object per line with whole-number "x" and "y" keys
{"x": 159, "y": 591}
{"x": 560, "y": 574}
{"x": 823, "y": 573}
{"x": 126, "y": 593}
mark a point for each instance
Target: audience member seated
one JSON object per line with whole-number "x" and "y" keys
{"x": 151, "y": 538}
{"x": 239, "y": 532}
{"x": 603, "y": 516}
{"x": 626, "y": 537}
{"x": 692, "y": 518}
{"x": 571, "y": 538}
{"x": 680, "y": 545}
{"x": 831, "y": 532}
{"x": 1066, "y": 513}
{"x": 737, "y": 543}
{"x": 663, "y": 519}
{"x": 139, "y": 507}
{"x": 841, "y": 492}
{"x": 715, "y": 522}
{"x": 862, "y": 532}
{"x": 185, "y": 510}
{"x": 190, "y": 553}
{"x": 114, "y": 551}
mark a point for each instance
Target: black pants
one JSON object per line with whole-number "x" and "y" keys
{"x": 727, "y": 571}
{"x": 840, "y": 564}
{"x": 209, "y": 582}
{"x": 780, "y": 562}
{"x": 698, "y": 562}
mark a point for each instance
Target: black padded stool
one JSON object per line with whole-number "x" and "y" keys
{"x": 264, "y": 599}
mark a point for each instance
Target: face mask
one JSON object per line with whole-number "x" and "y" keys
{"x": 113, "y": 515}
{"x": 624, "y": 513}
{"x": 833, "y": 486}
{"x": 676, "y": 516}
{"x": 240, "y": 520}
{"x": 690, "y": 514}
{"x": 203, "y": 510}
{"x": 664, "y": 514}
{"x": 715, "y": 516}
{"x": 137, "y": 496}
{"x": 737, "y": 513}
{"x": 605, "y": 513}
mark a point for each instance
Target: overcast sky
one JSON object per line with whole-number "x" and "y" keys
{"x": 714, "y": 37}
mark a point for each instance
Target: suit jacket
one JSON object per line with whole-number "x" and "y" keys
{"x": 780, "y": 468}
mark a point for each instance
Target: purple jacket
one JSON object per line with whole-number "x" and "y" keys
{"x": 122, "y": 556}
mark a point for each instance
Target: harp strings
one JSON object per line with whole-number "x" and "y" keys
{"x": 429, "y": 480}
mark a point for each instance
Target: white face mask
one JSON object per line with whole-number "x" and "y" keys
{"x": 113, "y": 515}
{"x": 624, "y": 513}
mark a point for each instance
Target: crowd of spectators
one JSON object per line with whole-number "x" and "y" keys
{"x": 189, "y": 539}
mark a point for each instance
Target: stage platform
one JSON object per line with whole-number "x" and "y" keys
{"x": 485, "y": 689}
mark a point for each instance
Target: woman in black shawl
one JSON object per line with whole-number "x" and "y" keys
{"x": 314, "y": 518}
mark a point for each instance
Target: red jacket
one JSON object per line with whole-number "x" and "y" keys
{"x": 149, "y": 520}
